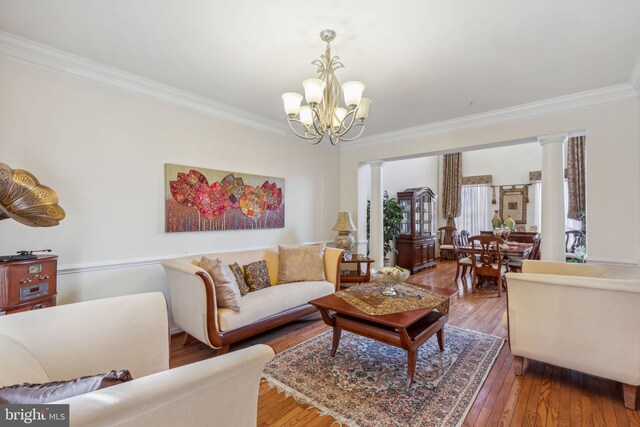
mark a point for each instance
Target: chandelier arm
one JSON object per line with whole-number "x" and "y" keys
{"x": 355, "y": 137}
{"x": 306, "y": 130}
{"x": 343, "y": 124}
{"x": 317, "y": 120}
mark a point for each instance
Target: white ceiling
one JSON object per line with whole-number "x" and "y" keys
{"x": 422, "y": 61}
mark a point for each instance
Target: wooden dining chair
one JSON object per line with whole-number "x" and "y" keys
{"x": 485, "y": 250}
{"x": 464, "y": 237}
{"x": 572, "y": 240}
{"x": 445, "y": 241}
{"x": 515, "y": 263}
{"x": 463, "y": 261}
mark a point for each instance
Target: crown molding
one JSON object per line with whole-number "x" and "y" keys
{"x": 27, "y": 51}
{"x": 634, "y": 79}
{"x": 573, "y": 102}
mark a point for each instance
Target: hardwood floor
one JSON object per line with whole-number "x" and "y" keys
{"x": 546, "y": 396}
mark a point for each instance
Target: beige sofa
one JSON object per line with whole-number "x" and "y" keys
{"x": 578, "y": 316}
{"x": 129, "y": 332}
{"x": 193, "y": 298}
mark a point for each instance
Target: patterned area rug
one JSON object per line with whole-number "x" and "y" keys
{"x": 364, "y": 385}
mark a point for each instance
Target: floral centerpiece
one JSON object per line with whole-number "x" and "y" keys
{"x": 390, "y": 275}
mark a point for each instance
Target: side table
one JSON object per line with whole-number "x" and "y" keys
{"x": 358, "y": 270}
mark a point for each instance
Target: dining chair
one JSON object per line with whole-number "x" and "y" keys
{"x": 463, "y": 261}
{"x": 515, "y": 263}
{"x": 485, "y": 250}
{"x": 445, "y": 241}
{"x": 572, "y": 240}
{"x": 464, "y": 237}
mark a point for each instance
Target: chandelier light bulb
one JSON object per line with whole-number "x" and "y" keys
{"x": 352, "y": 93}
{"x": 292, "y": 102}
{"x": 363, "y": 109}
{"x": 306, "y": 117}
{"x": 313, "y": 89}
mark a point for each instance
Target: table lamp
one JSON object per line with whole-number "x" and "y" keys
{"x": 344, "y": 226}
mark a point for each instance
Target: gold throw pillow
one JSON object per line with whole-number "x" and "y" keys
{"x": 301, "y": 264}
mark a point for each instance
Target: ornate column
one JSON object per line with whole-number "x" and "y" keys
{"x": 553, "y": 222}
{"x": 376, "y": 239}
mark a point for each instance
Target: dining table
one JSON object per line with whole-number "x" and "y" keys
{"x": 507, "y": 249}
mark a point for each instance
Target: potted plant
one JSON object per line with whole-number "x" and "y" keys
{"x": 392, "y": 217}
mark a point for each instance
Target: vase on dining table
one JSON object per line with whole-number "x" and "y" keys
{"x": 496, "y": 221}
{"x": 509, "y": 222}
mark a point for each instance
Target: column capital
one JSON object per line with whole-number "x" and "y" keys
{"x": 553, "y": 138}
{"x": 377, "y": 163}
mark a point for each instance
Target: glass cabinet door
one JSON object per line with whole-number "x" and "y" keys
{"x": 405, "y": 225}
{"x": 418, "y": 218}
{"x": 427, "y": 226}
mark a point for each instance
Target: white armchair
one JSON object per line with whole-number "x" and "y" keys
{"x": 129, "y": 332}
{"x": 578, "y": 316}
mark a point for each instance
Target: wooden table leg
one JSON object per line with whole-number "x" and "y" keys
{"x": 411, "y": 366}
{"x": 337, "y": 332}
{"x": 440, "y": 334}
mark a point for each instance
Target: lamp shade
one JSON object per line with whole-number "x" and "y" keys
{"x": 344, "y": 222}
{"x": 352, "y": 93}
{"x": 313, "y": 90}
{"x": 306, "y": 116}
{"x": 363, "y": 108}
{"x": 338, "y": 116}
{"x": 291, "y": 103}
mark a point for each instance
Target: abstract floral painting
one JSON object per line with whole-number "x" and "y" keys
{"x": 199, "y": 199}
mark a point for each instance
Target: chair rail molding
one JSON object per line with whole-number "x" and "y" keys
{"x": 155, "y": 260}
{"x": 32, "y": 53}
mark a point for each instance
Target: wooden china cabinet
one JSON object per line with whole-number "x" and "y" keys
{"x": 416, "y": 243}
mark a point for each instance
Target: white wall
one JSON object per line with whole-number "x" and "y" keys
{"x": 409, "y": 173}
{"x": 508, "y": 165}
{"x": 613, "y": 160}
{"x": 104, "y": 151}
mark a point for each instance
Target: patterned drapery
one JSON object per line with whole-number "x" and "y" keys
{"x": 451, "y": 187}
{"x": 576, "y": 179}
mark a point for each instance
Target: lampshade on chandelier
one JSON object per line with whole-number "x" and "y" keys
{"x": 323, "y": 114}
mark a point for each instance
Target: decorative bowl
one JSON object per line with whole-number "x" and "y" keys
{"x": 390, "y": 275}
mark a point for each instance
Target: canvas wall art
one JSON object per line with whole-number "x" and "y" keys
{"x": 199, "y": 199}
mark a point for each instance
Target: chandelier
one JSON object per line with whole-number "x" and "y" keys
{"x": 323, "y": 113}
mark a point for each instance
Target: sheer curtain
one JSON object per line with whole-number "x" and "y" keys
{"x": 475, "y": 210}
{"x": 536, "y": 189}
{"x": 535, "y": 197}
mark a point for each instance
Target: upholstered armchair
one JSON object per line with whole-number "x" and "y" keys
{"x": 578, "y": 316}
{"x": 129, "y": 332}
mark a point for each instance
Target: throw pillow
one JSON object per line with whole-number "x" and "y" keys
{"x": 239, "y": 275}
{"x": 301, "y": 264}
{"x": 257, "y": 275}
{"x": 26, "y": 394}
{"x": 227, "y": 291}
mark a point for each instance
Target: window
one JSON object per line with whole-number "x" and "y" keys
{"x": 475, "y": 212}
{"x": 536, "y": 199}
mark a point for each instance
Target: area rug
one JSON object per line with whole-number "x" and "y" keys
{"x": 364, "y": 384}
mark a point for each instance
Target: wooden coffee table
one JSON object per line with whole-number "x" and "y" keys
{"x": 407, "y": 330}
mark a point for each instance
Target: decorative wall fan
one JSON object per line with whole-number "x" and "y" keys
{"x": 24, "y": 199}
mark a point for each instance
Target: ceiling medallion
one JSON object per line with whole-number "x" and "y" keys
{"x": 323, "y": 113}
